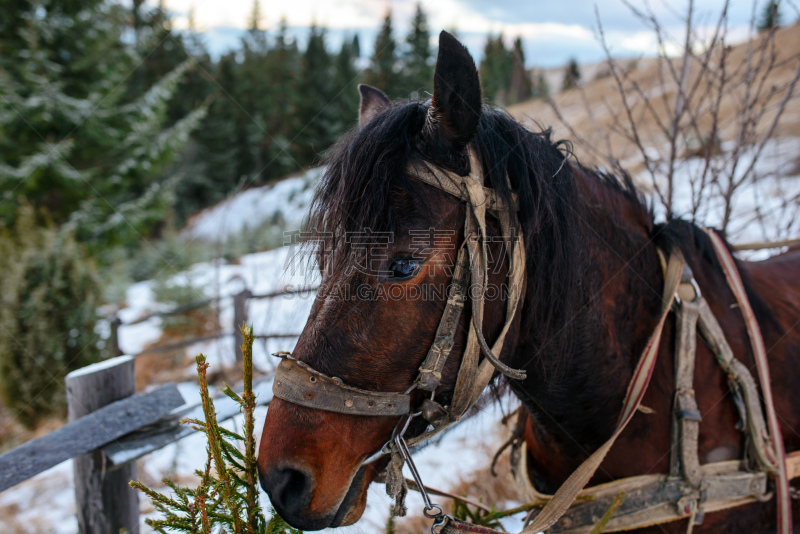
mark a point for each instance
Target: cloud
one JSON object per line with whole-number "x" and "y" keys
{"x": 551, "y": 32}
{"x": 614, "y": 14}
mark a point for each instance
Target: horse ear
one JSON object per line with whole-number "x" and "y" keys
{"x": 373, "y": 101}
{"x": 456, "y": 105}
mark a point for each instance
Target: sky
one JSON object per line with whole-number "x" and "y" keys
{"x": 552, "y": 31}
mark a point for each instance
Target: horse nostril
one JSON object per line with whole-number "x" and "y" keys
{"x": 289, "y": 489}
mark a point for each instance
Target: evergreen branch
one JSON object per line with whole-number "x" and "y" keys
{"x": 230, "y": 434}
{"x": 249, "y": 405}
{"x": 232, "y": 394}
{"x": 226, "y": 500}
{"x": 214, "y": 442}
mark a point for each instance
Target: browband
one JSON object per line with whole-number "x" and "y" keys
{"x": 453, "y": 184}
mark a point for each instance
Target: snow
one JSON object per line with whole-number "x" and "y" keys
{"x": 288, "y": 198}
{"x": 762, "y": 210}
{"x": 99, "y": 366}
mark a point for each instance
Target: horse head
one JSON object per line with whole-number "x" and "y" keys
{"x": 387, "y": 244}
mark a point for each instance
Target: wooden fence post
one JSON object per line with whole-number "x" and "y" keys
{"x": 113, "y": 341}
{"x": 104, "y": 502}
{"x": 239, "y": 317}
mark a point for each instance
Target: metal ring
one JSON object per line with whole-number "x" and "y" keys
{"x": 432, "y": 507}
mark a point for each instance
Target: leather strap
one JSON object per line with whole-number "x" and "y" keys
{"x": 456, "y": 526}
{"x": 649, "y": 499}
{"x": 567, "y": 493}
{"x": 298, "y": 383}
{"x": 474, "y": 375}
{"x": 793, "y": 465}
{"x": 430, "y": 372}
{"x": 686, "y": 413}
{"x": 742, "y": 386}
{"x": 451, "y": 183}
{"x": 760, "y": 354}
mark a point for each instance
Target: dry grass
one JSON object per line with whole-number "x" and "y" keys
{"x": 596, "y": 106}
{"x": 175, "y": 366}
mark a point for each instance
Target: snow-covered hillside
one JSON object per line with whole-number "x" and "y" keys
{"x": 286, "y": 200}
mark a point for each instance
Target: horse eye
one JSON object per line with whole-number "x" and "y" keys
{"x": 403, "y": 269}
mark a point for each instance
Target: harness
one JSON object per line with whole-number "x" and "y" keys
{"x": 689, "y": 490}
{"x": 693, "y": 488}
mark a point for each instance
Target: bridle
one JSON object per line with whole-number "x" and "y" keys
{"x": 299, "y": 383}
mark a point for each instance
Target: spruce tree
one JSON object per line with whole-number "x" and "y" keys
{"x": 418, "y": 58}
{"x": 74, "y": 141}
{"x": 48, "y": 313}
{"x": 572, "y": 75}
{"x": 253, "y": 93}
{"x": 382, "y": 72}
{"x": 345, "y": 82}
{"x": 495, "y": 70}
{"x": 770, "y": 17}
{"x": 223, "y": 151}
{"x": 315, "y": 113}
{"x": 282, "y": 68}
{"x": 541, "y": 88}
{"x": 520, "y": 88}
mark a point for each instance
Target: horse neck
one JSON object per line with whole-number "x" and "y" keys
{"x": 574, "y": 397}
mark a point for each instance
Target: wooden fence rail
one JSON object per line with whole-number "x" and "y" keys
{"x": 110, "y": 428}
{"x": 240, "y": 316}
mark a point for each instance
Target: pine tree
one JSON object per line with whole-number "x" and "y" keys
{"x": 572, "y": 75}
{"x": 495, "y": 70}
{"x": 520, "y": 85}
{"x": 283, "y": 70}
{"x": 771, "y": 16}
{"x": 345, "y": 82}
{"x": 418, "y": 58}
{"x": 226, "y": 500}
{"x": 48, "y": 312}
{"x": 541, "y": 88}
{"x": 382, "y": 72}
{"x": 252, "y": 92}
{"x": 223, "y": 158}
{"x": 315, "y": 115}
{"x": 74, "y": 141}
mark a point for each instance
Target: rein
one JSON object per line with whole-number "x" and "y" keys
{"x": 299, "y": 383}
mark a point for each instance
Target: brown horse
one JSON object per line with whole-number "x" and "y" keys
{"x": 592, "y": 297}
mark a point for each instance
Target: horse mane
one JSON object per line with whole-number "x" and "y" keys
{"x": 365, "y": 187}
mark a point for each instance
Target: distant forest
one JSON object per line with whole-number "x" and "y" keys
{"x": 259, "y": 112}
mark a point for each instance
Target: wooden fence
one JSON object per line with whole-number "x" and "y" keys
{"x": 240, "y": 316}
{"x": 110, "y": 426}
